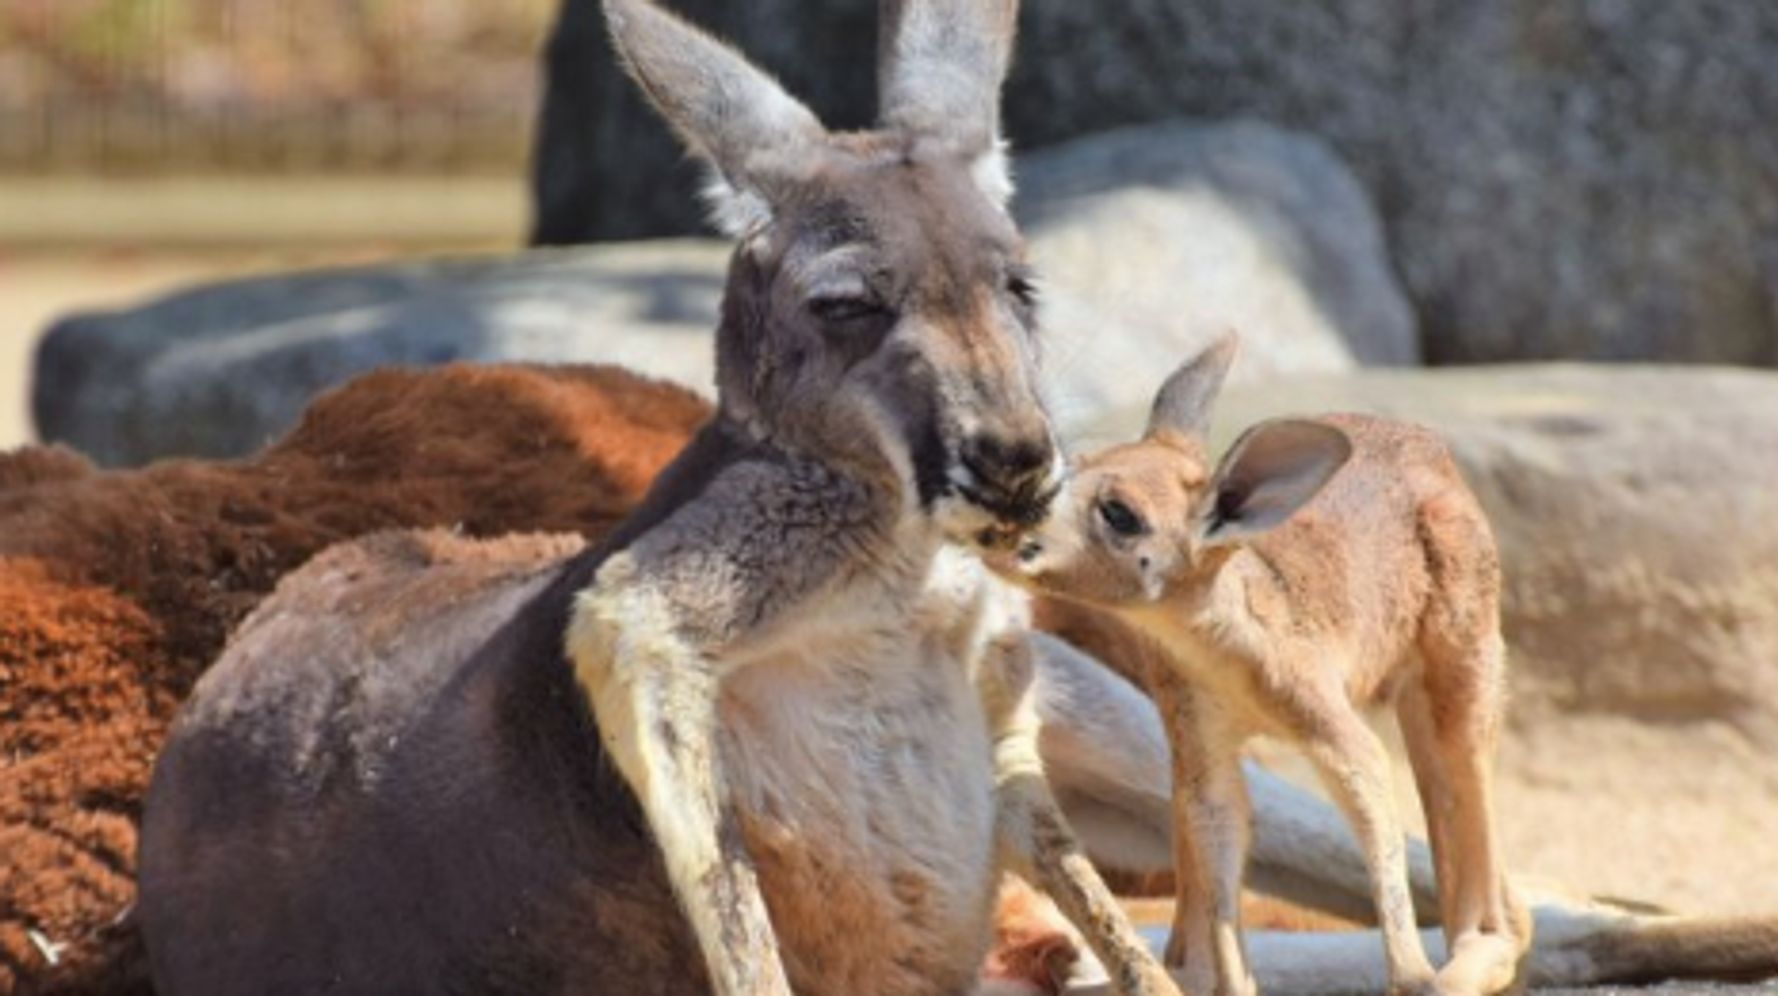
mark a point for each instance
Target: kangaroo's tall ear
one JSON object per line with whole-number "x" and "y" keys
{"x": 1275, "y": 468}
{"x": 939, "y": 68}
{"x": 738, "y": 119}
{"x": 1183, "y": 403}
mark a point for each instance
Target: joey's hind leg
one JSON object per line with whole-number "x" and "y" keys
{"x": 654, "y": 698}
{"x": 1450, "y": 723}
{"x": 1355, "y": 766}
{"x": 1433, "y": 783}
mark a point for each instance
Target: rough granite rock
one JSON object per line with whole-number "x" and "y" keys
{"x": 222, "y": 369}
{"x": 1637, "y": 514}
{"x": 1150, "y": 242}
{"x": 1576, "y": 179}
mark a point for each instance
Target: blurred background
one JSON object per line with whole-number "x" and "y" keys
{"x": 1549, "y": 227}
{"x": 148, "y": 144}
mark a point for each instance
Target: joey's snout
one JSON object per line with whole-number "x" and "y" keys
{"x": 1028, "y": 557}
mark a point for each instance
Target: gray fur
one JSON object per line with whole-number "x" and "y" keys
{"x": 940, "y": 66}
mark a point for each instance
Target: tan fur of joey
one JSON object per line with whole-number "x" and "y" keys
{"x": 1140, "y": 520}
{"x": 1120, "y": 532}
{"x": 1323, "y": 566}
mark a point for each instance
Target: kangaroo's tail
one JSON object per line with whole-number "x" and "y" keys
{"x": 1588, "y": 946}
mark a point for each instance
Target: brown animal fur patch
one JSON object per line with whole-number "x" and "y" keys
{"x": 117, "y": 590}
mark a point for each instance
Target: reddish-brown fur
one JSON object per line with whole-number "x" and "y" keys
{"x": 1033, "y": 950}
{"x": 119, "y": 588}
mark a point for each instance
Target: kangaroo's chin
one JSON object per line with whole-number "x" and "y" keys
{"x": 1003, "y": 564}
{"x": 963, "y": 521}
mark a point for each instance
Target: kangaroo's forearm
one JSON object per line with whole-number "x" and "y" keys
{"x": 654, "y": 698}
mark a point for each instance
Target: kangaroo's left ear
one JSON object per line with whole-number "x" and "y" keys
{"x": 1275, "y": 468}
{"x": 940, "y": 64}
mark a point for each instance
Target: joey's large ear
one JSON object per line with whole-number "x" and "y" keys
{"x": 939, "y": 68}
{"x": 1274, "y": 469}
{"x": 738, "y": 119}
{"x": 1184, "y": 402}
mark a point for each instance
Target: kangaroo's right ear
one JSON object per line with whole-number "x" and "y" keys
{"x": 1275, "y": 468}
{"x": 734, "y": 116}
{"x": 1183, "y": 403}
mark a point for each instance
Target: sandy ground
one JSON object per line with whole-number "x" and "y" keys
{"x": 1612, "y": 809}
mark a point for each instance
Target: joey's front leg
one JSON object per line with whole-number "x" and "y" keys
{"x": 1211, "y": 821}
{"x": 653, "y": 694}
{"x": 1034, "y": 836}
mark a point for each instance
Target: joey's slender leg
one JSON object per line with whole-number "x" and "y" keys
{"x": 1484, "y": 929}
{"x": 1105, "y": 755}
{"x": 1433, "y": 783}
{"x": 1355, "y": 766}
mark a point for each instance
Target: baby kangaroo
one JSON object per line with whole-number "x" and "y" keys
{"x": 1322, "y": 566}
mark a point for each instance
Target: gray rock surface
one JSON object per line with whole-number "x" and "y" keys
{"x": 221, "y": 369}
{"x": 1581, "y": 179}
{"x": 1150, "y": 242}
{"x": 1637, "y": 514}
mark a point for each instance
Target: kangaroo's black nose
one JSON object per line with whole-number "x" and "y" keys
{"x": 1012, "y": 476}
{"x": 1006, "y": 464}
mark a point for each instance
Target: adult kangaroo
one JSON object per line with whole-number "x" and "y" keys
{"x": 775, "y": 734}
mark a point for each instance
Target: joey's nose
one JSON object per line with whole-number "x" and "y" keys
{"x": 1012, "y": 476}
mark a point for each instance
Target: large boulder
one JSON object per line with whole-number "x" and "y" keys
{"x": 1150, "y": 242}
{"x": 220, "y": 370}
{"x": 1578, "y": 180}
{"x": 1637, "y": 514}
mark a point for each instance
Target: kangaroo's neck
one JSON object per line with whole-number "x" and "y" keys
{"x": 841, "y": 438}
{"x": 884, "y": 520}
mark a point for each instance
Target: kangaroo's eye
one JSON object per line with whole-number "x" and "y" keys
{"x": 1120, "y": 519}
{"x": 841, "y": 310}
{"x": 1021, "y": 286}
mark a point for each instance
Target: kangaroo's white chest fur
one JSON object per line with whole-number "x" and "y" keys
{"x": 861, "y": 763}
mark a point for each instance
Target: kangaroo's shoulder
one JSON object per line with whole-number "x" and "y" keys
{"x": 378, "y": 626}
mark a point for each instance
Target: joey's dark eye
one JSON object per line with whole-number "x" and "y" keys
{"x": 839, "y": 310}
{"x": 1120, "y": 518}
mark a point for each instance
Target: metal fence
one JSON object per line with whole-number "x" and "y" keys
{"x": 327, "y": 86}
